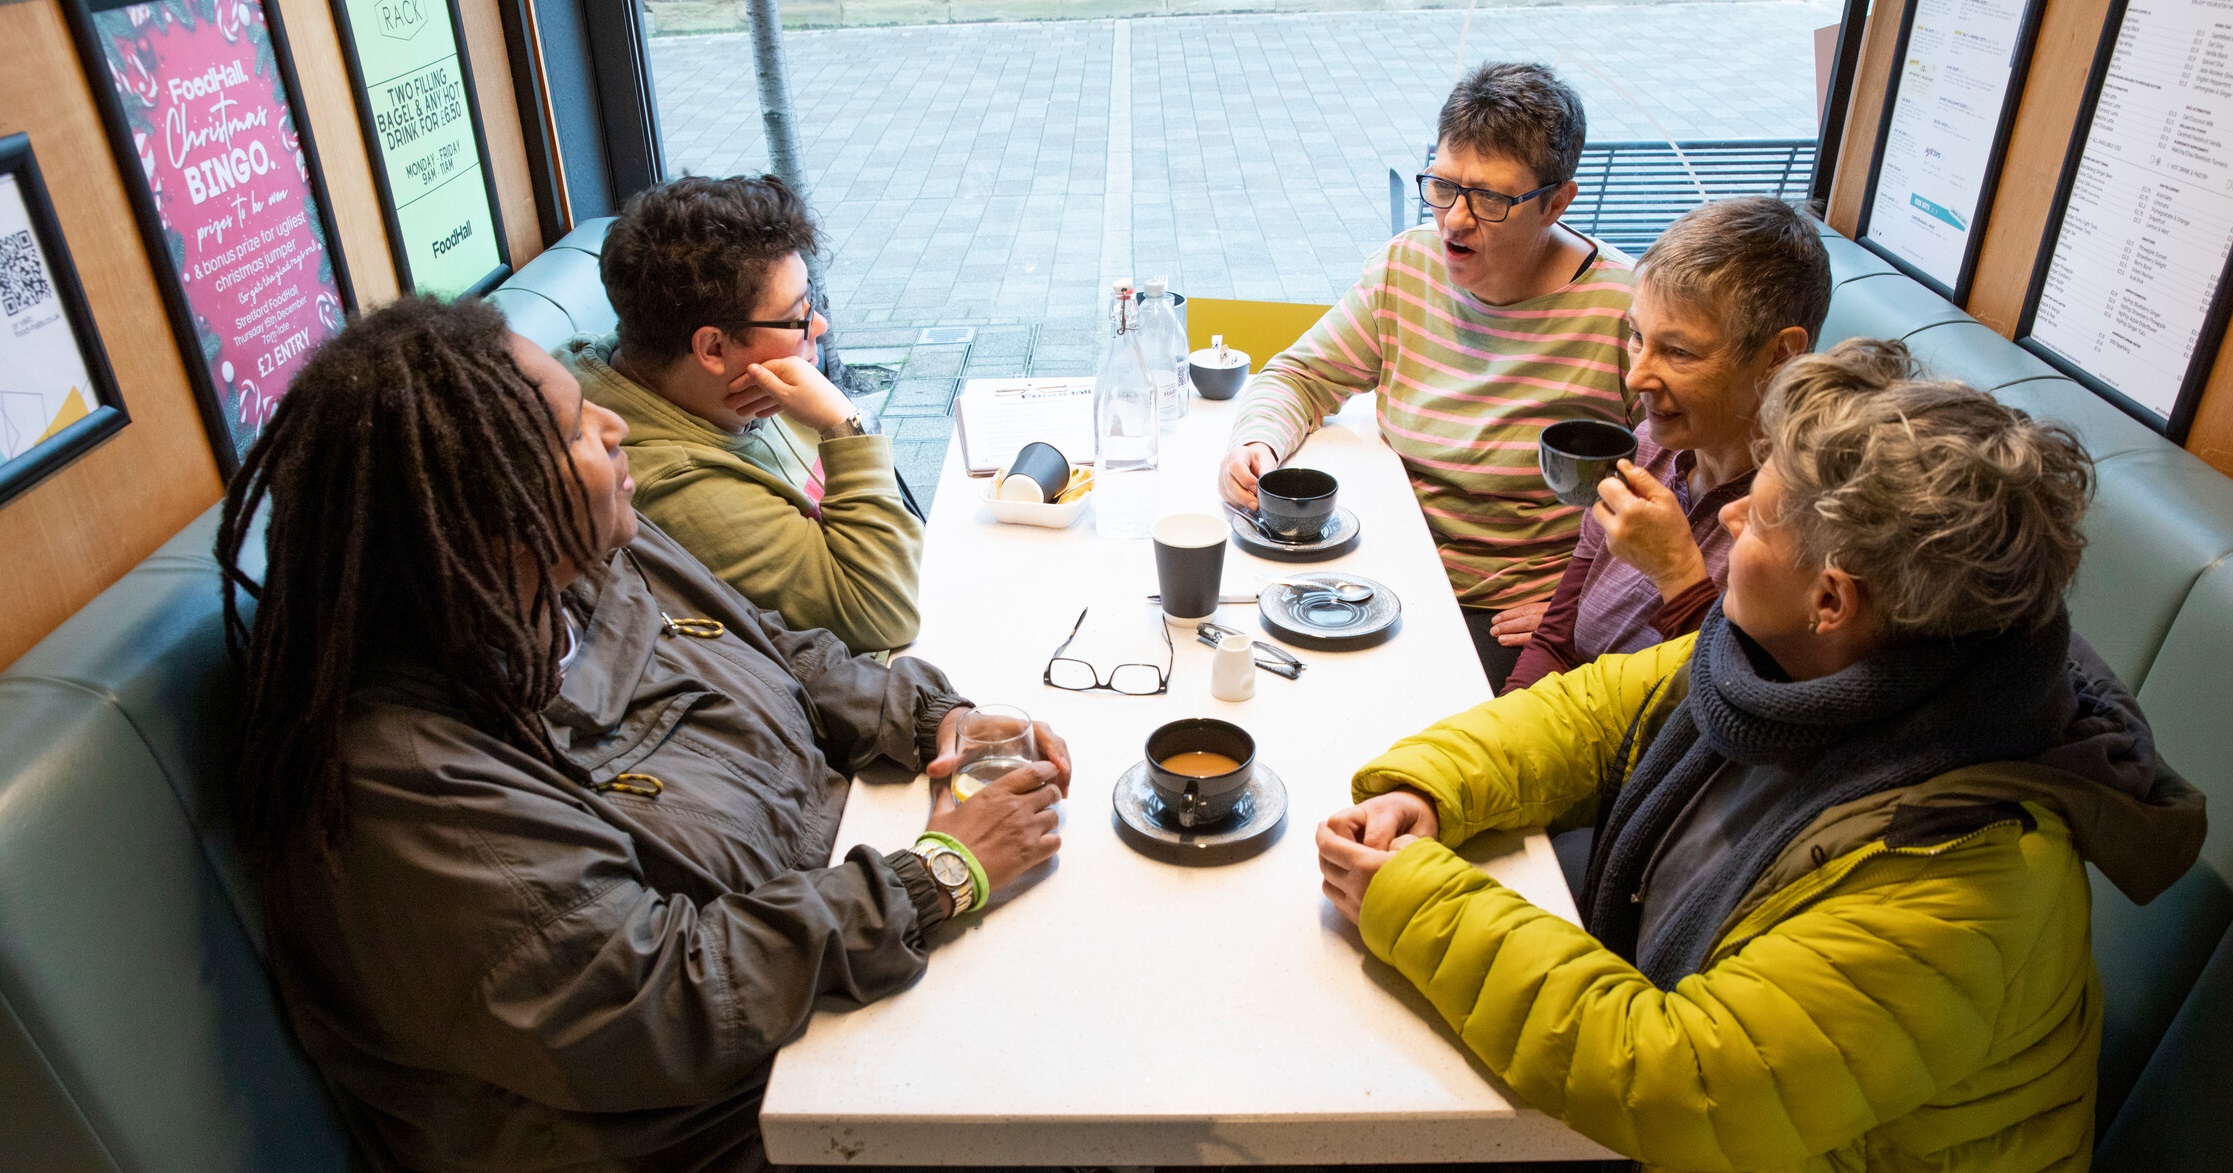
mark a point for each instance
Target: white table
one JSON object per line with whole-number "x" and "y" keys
{"x": 1120, "y": 1010}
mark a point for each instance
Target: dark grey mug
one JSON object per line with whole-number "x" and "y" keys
{"x": 1576, "y": 454}
{"x": 1192, "y": 799}
{"x": 1293, "y": 504}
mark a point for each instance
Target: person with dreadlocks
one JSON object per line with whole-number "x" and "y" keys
{"x": 539, "y": 806}
{"x": 743, "y": 451}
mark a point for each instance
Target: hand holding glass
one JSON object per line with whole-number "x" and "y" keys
{"x": 992, "y": 741}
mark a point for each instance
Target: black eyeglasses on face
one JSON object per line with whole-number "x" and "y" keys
{"x": 1489, "y": 207}
{"x": 1129, "y": 679}
{"x": 802, "y": 325}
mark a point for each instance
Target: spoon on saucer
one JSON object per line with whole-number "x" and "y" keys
{"x": 1340, "y": 588}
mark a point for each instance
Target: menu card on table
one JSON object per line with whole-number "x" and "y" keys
{"x": 2135, "y": 263}
{"x": 995, "y": 418}
{"x": 1942, "y": 143}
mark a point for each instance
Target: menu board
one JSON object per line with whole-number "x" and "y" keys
{"x": 201, "y": 109}
{"x": 1941, "y": 146}
{"x": 416, "y": 96}
{"x": 2128, "y": 292}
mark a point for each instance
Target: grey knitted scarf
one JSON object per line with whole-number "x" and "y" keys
{"x": 1913, "y": 712}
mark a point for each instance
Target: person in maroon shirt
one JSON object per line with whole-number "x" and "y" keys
{"x": 1724, "y": 298}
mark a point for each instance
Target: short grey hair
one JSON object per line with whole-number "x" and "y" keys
{"x": 1522, "y": 112}
{"x": 1756, "y": 263}
{"x": 1959, "y": 513}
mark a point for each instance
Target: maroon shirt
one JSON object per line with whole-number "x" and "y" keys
{"x": 1603, "y": 605}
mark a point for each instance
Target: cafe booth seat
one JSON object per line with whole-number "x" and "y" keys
{"x": 139, "y": 1031}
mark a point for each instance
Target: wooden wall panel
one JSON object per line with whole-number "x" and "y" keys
{"x": 1849, "y": 183}
{"x": 2069, "y": 31}
{"x": 331, "y": 106}
{"x": 507, "y": 144}
{"x": 78, "y": 531}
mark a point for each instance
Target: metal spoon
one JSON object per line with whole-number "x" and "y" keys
{"x": 1340, "y": 588}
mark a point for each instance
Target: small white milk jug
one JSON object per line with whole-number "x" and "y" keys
{"x": 1233, "y": 669}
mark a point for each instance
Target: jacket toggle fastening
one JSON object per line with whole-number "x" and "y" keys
{"x": 640, "y": 785}
{"x": 694, "y": 628}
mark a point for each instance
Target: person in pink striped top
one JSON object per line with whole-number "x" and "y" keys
{"x": 1474, "y": 335}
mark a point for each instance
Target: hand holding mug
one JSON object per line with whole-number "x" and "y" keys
{"x": 1645, "y": 527}
{"x": 1237, "y": 475}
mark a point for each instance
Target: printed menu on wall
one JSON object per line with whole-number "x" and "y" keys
{"x": 1942, "y": 143}
{"x": 2135, "y": 263}
{"x": 205, "y": 114}
{"x": 419, "y": 113}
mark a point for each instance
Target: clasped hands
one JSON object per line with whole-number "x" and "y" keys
{"x": 1357, "y": 841}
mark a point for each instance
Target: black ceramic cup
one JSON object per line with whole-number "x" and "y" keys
{"x": 1191, "y": 800}
{"x": 1293, "y": 504}
{"x": 1576, "y": 454}
{"x": 1189, "y": 564}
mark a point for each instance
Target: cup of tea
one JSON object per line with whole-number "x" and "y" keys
{"x": 1576, "y": 454}
{"x": 1294, "y": 504}
{"x": 1199, "y": 767}
{"x": 1189, "y": 565}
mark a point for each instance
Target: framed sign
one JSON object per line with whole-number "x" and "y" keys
{"x": 58, "y": 398}
{"x": 415, "y": 96}
{"x": 1939, "y": 148}
{"x": 2129, "y": 296}
{"x": 206, "y": 121}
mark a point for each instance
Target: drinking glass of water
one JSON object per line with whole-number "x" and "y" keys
{"x": 994, "y": 741}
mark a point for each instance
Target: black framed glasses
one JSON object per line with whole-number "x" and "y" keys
{"x": 802, "y": 325}
{"x": 1128, "y": 679}
{"x": 1489, "y": 207}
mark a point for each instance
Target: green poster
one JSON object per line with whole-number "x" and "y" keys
{"x": 419, "y": 112}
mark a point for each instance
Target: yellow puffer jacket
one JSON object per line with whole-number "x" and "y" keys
{"x": 1910, "y": 986}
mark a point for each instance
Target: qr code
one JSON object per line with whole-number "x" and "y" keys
{"x": 23, "y": 279}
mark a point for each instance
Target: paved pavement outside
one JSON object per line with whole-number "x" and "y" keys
{"x": 993, "y": 176}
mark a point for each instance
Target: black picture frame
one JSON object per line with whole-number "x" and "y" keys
{"x": 397, "y": 247}
{"x": 106, "y": 415}
{"x": 2174, "y": 426}
{"x": 92, "y": 56}
{"x": 2019, "y": 66}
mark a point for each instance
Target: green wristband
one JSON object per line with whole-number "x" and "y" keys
{"x": 982, "y": 888}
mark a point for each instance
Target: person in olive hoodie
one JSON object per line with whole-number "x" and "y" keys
{"x": 1837, "y": 915}
{"x": 742, "y": 450}
{"x": 543, "y": 813}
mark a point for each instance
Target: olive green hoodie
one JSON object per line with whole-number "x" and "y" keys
{"x": 745, "y": 505}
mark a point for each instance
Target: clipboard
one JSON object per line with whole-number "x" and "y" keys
{"x": 995, "y": 418}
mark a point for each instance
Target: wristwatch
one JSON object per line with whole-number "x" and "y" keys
{"x": 951, "y": 872}
{"x": 849, "y": 426}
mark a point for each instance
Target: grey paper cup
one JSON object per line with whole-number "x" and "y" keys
{"x": 1189, "y": 564}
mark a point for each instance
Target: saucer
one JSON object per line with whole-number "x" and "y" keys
{"x": 1252, "y": 826}
{"x": 1342, "y": 531}
{"x": 1313, "y": 618}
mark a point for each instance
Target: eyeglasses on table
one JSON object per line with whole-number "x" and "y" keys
{"x": 1132, "y": 679}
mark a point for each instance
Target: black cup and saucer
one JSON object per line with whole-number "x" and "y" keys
{"x": 1200, "y": 796}
{"x": 1296, "y": 519}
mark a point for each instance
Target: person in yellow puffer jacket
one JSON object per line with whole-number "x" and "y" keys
{"x": 1836, "y": 912}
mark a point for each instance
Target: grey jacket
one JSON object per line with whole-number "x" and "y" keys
{"x": 521, "y": 968}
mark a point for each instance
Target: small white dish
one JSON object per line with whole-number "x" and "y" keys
{"x": 1041, "y": 513}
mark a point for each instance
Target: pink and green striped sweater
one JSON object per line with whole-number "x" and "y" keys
{"x": 1464, "y": 387}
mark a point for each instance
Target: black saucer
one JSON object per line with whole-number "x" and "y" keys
{"x": 1342, "y": 531}
{"x": 1253, "y": 826}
